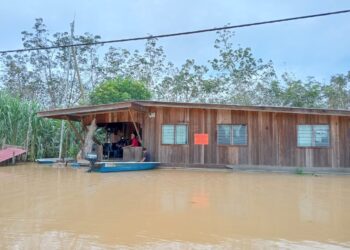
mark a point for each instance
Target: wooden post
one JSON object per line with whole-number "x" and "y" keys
{"x": 13, "y": 158}
{"x": 28, "y": 137}
{"x": 137, "y": 130}
{"x": 203, "y": 129}
{"x": 76, "y": 132}
{"x": 75, "y": 64}
{"x": 3, "y": 143}
{"x": 61, "y": 140}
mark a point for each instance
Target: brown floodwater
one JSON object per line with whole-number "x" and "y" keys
{"x": 62, "y": 208}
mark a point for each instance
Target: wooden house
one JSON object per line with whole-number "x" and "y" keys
{"x": 215, "y": 135}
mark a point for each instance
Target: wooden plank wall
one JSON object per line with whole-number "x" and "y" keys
{"x": 111, "y": 117}
{"x": 272, "y": 138}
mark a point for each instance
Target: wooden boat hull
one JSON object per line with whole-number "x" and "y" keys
{"x": 106, "y": 167}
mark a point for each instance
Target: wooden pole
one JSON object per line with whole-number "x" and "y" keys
{"x": 137, "y": 130}
{"x": 75, "y": 64}
{"x": 61, "y": 140}
{"x": 28, "y": 136}
{"x": 13, "y": 158}
{"x": 76, "y": 132}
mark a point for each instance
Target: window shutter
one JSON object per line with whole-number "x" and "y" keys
{"x": 181, "y": 134}
{"x": 304, "y": 135}
{"x": 240, "y": 134}
{"x": 321, "y": 133}
{"x": 224, "y": 134}
{"x": 313, "y": 136}
{"x": 168, "y": 134}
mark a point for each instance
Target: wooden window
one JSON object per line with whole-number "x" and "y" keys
{"x": 313, "y": 136}
{"x": 174, "y": 134}
{"x": 229, "y": 134}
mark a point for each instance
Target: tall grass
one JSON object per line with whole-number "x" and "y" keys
{"x": 19, "y": 125}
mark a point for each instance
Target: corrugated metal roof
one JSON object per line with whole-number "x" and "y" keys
{"x": 76, "y": 113}
{"x": 8, "y": 153}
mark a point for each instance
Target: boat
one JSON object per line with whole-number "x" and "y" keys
{"x": 52, "y": 160}
{"x": 47, "y": 160}
{"x": 75, "y": 164}
{"x": 105, "y": 167}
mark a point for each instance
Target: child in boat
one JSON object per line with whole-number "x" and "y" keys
{"x": 145, "y": 155}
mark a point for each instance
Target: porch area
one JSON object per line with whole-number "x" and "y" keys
{"x": 106, "y": 129}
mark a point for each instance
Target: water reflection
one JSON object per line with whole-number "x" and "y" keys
{"x": 42, "y": 208}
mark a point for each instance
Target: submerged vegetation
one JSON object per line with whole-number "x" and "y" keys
{"x": 65, "y": 77}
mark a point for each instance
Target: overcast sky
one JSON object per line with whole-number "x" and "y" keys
{"x": 315, "y": 47}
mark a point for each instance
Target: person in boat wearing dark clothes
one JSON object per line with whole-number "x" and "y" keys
{"x": 145, "y": 155}
{"x": 122, "y": 142}
{"x": 118, "y": 147}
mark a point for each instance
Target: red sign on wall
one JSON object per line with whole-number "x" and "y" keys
{"x": 201, "y": 139}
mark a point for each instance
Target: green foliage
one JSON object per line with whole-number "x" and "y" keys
{"x": 337, "y": 92}
{"x": 19, "y": 125}
{"x": 119, "y": 89}
{"x": 49, "y": 76}
{"x": 302, "y": 94}
{"x": 242, "y": 77}
{"x": 235, "y": 75}
{"x": 187, "y": 85}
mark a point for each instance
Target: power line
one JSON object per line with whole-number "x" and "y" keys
{"x": 180, "y": 33}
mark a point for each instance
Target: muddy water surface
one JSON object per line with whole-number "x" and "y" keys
{"x": 54, "y": 208}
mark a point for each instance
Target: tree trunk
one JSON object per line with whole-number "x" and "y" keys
{"x": 87, "y": 147}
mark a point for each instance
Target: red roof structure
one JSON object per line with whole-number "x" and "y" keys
{"x": 8, "y": 153}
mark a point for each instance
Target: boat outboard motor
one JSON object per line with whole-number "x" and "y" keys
{"x": 92, "y": 158}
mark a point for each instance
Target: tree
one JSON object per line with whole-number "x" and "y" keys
{"x": 114, "y": 63}
{"x": 240, "y": 75}
{"x": 149, "y": 66}
{"x": 50, "y": 76}
{"x": 188, "y": 84}
{"x": 302, "y": 94}
{"x": 271, "y": 94}
{"x": 17, "y": 77}
{"x": 338, "y": 92}
{"x": 119, "y": 89}
{"x": 43, "y": 64}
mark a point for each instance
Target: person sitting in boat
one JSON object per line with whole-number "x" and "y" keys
{"x": 145, "y": 155}
{"x": 122, "y": 142}
{"x": 118, "y": 147}
{"x": 107, "y": 148}
{"x": 134, "y": 141}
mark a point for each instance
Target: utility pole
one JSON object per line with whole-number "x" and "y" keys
{"x": 76, "y": 68}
